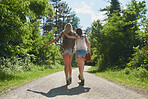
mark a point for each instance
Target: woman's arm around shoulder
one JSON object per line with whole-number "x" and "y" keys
{"x": 74, "y": 37}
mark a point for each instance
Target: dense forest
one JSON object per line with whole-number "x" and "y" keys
{"x": 119, "y": 42}
{"x": 26, "y": 26}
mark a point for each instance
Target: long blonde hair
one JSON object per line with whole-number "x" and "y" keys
{"x": 68, "y": 28}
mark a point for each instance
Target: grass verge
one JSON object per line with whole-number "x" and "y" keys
{"x": 17, "y": 79}
{"x": 129, "y": 80}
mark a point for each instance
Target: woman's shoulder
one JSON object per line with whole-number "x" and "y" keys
{"x": 74, "y": 32}
{"x": 84, "y": 36}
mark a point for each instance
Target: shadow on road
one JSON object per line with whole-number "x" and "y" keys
{"x": 63, "y": 90}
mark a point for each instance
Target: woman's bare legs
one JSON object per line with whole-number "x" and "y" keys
{"x": 68, "y": 70}
{"x": 69, "y": 65}
{"x": 66, "y": 59}
{"x": 81, "y": 62}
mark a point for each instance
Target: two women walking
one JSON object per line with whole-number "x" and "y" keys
{"x": 73, "y": 43}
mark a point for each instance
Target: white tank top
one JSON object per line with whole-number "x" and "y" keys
{"x": 80, "y": 44}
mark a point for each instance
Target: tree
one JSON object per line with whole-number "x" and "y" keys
{"x": 63, "y": 16}
{"x": 114, "y": 6}
{"x": 96, "y": 34}
{"x": 113, "y": 43}
{"x": 140, "y": 55}
{"x": 17, "y": 34}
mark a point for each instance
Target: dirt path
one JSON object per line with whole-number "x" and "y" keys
{"x": 53, "y": 86}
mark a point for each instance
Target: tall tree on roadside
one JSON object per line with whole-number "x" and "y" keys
{"x": 96, "y": 34}
{"x": 118, "y": 36}
{"x": 17, "y": 34}
{"x": 63, "y": 15}
{"x": 114, "y": 6}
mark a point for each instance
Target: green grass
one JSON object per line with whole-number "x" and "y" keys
{"x": 122, "y": 78}
{"x": 17, "y": 79}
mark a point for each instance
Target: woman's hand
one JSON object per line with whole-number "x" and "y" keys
{"x": 50, "y": 43}
{"x": 45, "y": 46}
{"x": 89, "y": 52}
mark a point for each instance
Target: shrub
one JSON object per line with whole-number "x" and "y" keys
{"x": 13, "y": 64}
{"x": 139, "y": 58}
{"x": 100, "y": 64}
{"x": 140, "y": 73}
{"x": 143, "y": 73}
{"x": 127, "y": 71}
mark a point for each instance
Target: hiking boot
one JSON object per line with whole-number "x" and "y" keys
{"x": 79, "y": 77}
{"x": 82, "y": 81}
{"x": 68, "y": 81}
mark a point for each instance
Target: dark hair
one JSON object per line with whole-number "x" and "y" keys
{"x": 79, "y": 31}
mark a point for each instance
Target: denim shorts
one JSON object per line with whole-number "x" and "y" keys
{"x": 68, "y": 51}
{"x": 81, "y": 53}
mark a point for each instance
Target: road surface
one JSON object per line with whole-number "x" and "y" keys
{"x": 53, "y": 87}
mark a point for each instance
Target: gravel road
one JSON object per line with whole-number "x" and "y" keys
{"x": 53, "y": 86}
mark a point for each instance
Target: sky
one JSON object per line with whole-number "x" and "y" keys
{"x": 88, "y": 10}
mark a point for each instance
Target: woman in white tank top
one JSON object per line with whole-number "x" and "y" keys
{"x": 81, "y": 46}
